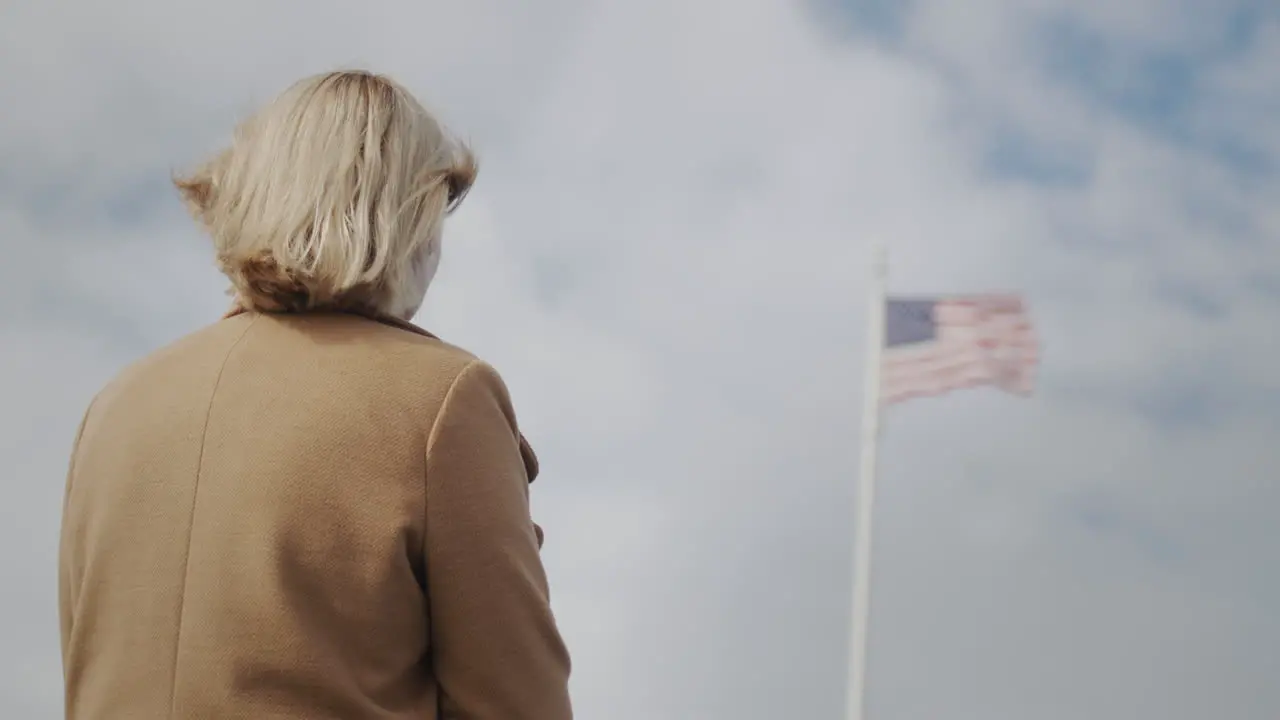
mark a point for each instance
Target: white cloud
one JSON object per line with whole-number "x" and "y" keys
{"x": 665, "y": 258}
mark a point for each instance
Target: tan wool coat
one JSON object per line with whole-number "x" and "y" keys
{"x": 311, "y": 516}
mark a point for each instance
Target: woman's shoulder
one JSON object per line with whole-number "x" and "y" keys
{"x": 317, "y": 350}
{"x": 391, "y": 351}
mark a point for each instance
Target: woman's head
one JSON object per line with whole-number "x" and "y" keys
{"x": 332, "y": 197}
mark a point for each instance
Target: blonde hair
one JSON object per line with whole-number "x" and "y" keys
{"x": 332, "y": 197}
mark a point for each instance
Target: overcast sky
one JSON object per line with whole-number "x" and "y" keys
{"x": 665, "y": 257}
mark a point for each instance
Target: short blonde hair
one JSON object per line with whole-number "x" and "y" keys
{"x": 332, "y": 197}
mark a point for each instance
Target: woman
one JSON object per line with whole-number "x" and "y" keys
{"x": 311, "y": 509}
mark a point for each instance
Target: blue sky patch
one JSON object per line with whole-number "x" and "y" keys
{"x": 1158, "y": 89}
{"x": 1011, "y": 154}
{"x": 882, "y": 19}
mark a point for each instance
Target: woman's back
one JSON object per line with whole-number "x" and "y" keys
{"x": 311, "y": 516}
{"x": 312, "y": 509}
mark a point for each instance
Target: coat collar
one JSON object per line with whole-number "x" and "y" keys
{"x": 384, "y": 319}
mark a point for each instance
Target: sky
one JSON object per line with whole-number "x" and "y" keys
{"x": 666, "y": 257}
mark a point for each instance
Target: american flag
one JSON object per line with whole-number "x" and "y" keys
{"x": 936, "y": 345}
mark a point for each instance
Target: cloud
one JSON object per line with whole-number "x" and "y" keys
{"x": 665, "y": 258}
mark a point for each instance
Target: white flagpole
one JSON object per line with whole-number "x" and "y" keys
{"x": 867, "y": 488}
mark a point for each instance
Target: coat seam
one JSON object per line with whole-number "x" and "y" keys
{"x": 195, "y": 498}
{"x": 431, "y": 442}
{"x": 75, "y": 450}
{"x": 444, "y": 404}
{"x": 426, "y": 487}
{"x": 72, "y": 589}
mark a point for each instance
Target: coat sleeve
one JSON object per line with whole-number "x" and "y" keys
{"x": 496, "y": 650}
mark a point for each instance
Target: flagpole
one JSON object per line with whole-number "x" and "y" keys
{"x": 870, "y": 440}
